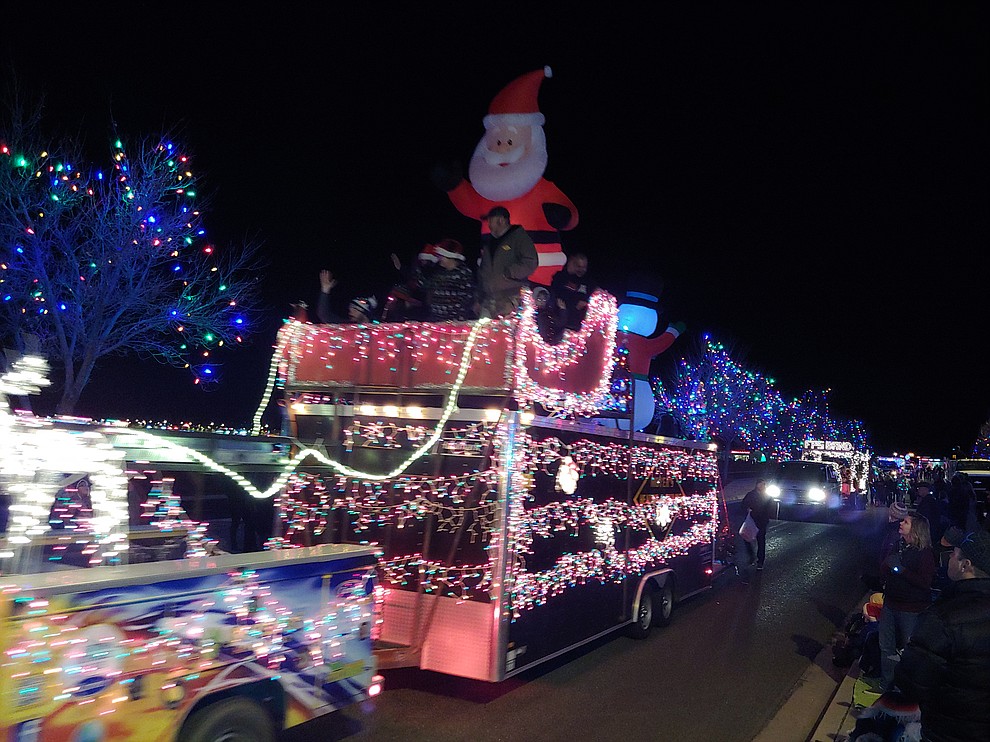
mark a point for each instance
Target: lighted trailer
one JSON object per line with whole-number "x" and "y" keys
{"x": 516, "y": 520}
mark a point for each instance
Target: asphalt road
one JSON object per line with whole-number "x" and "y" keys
{"x": 720, "y": 671}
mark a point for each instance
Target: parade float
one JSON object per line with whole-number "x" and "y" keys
{"x": 516, "y": 519}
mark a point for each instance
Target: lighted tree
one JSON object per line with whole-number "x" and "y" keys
{"x": 100, "y": 261}
{"x": 714, "y": 396}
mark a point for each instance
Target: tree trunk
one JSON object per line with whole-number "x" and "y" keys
{"x": 70, "y": 398}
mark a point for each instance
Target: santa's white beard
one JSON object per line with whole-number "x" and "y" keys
{"x": 499, "y": 178}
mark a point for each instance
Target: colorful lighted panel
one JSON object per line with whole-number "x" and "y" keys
{"x": 129, "y": 662}
{"x": 396, "y": 514}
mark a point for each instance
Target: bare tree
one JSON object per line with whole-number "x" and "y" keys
{"x": 113, "y": 260}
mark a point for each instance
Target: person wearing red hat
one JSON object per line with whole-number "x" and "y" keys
{"x": 449, "y": 289}
{"x": 507, "y": 169}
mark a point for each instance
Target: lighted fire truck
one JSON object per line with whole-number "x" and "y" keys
{"x": 111, "y": 630}
{"x": 517, "y": 512}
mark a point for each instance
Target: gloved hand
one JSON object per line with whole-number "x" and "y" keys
{"x": 557, "y": 215}
{"x": 446, "y": 176}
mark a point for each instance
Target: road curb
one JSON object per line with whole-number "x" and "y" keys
{"x": 838, "y": 718}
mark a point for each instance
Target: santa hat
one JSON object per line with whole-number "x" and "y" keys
{"x": 516, "y": 104}
{"x": 365, "y": 304}
{"x": 428, "y": 254}
{"x": 448, "y": 248}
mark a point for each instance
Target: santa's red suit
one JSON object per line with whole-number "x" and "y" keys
{"x": 526, "y": 211}
{"x": 517, "y": 105}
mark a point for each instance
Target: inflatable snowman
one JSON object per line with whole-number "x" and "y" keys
{"x": 639, "y": 320}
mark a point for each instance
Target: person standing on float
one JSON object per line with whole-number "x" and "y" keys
{"x": 507, "y": 169}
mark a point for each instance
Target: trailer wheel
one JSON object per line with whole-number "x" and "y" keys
{"x": 640, "y": 628}
{"x": 232, "y": 720}
{"x": 663, "y": 604}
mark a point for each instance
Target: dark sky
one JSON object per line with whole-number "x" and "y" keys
{"x": 809, "y": 182}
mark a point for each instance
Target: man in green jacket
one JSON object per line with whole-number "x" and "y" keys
{"x": 508, "y": 258}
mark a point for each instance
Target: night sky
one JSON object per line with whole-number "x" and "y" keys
{"x": 810, "y": 183}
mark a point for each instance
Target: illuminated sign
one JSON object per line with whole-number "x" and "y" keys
{"x": 828, "y": 446}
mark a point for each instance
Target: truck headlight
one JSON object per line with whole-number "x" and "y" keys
{"x": 773, "y": 490}
{"x": 817, "y": 494}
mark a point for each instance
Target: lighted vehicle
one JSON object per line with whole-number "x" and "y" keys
{"x": 516, "y": 520}
{"x": 852, "y": 466}
{"x": 201, "y": 647}
{"x": 804, "y": 487}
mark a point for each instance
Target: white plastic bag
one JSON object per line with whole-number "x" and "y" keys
{"x": 748, "y": 529}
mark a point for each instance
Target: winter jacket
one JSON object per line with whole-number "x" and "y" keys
{"x": 946, "y": 665}
{"x": 572, "y": 290}
{"x": 908, "y": 579}
{"x": 762, "y": 508}
{"x": 505, "y": 265}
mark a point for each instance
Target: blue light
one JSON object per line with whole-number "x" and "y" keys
{"x": 176, "y": 268}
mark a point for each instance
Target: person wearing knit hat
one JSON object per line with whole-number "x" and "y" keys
{"x": 507, "y": 169}
{"x": 889, "y": 542}
{"x": 897, "y": 511}
{"x": 946, "y": 665}
{"x": 360, "y": 309}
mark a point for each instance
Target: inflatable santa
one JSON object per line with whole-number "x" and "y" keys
{"x": 507, "y": 169}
